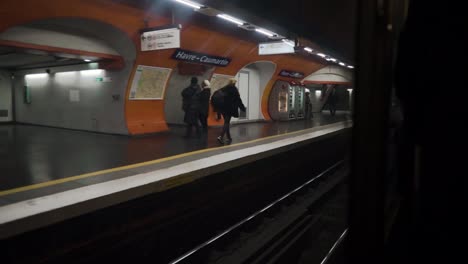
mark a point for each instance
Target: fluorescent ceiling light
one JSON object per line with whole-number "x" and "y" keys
{"x": 36, "y": 75}
{"x": 308, "y": 49}
{"x": 321, "y": 55}
{"x": 342, "y": 64}
{"x": 264, "y": 32}
{"x": 231, "y": 19}
{"x": 68, "y": 73}
{"x": 289, "y": 42}
{"x": 333, "y": 59}
{"x": 87, "y": 60}
{"x": 91, "y": 72}
{"x": 351, "y": 67}
{"x": 189, "y": 3}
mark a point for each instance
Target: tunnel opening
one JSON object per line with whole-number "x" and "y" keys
{"x": 67, "y": 73}
{"x": 252, "y": 80}
{"x": 318, "y": 82}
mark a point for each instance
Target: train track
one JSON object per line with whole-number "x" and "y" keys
{"x": 274, "y": 233}
{"x": 163, "y": 226}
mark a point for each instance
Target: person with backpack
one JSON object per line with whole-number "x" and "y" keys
{"x": 227, "y": 102}
{"x": 205, "y": 106}
{"x": 191, "y": 106}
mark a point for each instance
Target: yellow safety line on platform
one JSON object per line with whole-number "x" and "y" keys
{"x": 136, "y": 165}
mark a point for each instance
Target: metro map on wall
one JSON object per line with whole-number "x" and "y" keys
{"x": 149, "y": 83}
{"x": 218, "y": 81}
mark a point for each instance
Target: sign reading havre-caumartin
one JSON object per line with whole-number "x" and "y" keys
{"x": 291, "y": 74}
{"x": 196, "y": 57}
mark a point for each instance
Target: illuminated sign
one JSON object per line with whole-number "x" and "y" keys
{"x": 270, "y": 48}
{"x": 158, "y": 39}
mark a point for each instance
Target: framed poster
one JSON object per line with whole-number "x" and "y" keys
{"x": 283, "y": 102}
{"x": 74, "y": 95}
{"x": 149, "y": 83}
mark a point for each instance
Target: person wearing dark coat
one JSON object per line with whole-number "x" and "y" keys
{"x": 331, "y": 98}
{"x": 191, "y": 106}
{"x": 308, "y": 106}
{"x": 230, "y": 108}
{"x": 205, "y": 104}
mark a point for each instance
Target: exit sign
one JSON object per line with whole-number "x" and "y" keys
{"x": 104, "y": 79}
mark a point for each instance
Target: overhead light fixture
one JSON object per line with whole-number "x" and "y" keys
{"x": 289, "y": 42}
{"x": 342, "y": 64}
{"x": 66, "y": 74}
{"x": 333, "y": 59}
{"x": 264, "y": 32}
{"x": 36, "y": 75}
{"x": 351, "y": 67}
{"x": 231, "y": 19}
{"x": 321, "y": 55}
{"x": 189, "y": 3}
{"x": 92, "y": 72}
{"x": 87, "y": 60}
{"x": 308, "y": 49}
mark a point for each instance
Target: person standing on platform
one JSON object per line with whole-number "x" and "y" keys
{"x": 331, "y": 98}
{"x": 205, "y": 105}
{"x": 308, "y": 106}
{"x": 230, "y": 108}
{"x": 191, "y": 106}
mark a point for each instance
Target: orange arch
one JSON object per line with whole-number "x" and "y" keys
{"x": 144, "y": 116}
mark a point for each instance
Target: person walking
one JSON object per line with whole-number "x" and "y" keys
{"x": 230, "y": 108}
{"x": 331, "y": 98}
{"x": 204, "y": 105}
{"x": 308, "y": 106}
{"x": 191, "y": 106}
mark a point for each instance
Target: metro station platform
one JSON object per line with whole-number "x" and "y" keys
{"x": 51, "y": 174}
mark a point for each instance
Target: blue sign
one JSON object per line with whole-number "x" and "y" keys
{"x": 291, "y": 74}
{"x": 190, "y": 56}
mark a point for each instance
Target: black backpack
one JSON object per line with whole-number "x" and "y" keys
{"x": 217, "y": 100}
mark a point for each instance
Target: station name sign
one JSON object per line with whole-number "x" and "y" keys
{"x": 291, "y": 74}
{"x": 190, "y": 56}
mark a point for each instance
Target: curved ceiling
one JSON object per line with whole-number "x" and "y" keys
{"x": 329, "y": 23}
{"x": 63, "y": 41}
{"x": 326, "y": 23}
